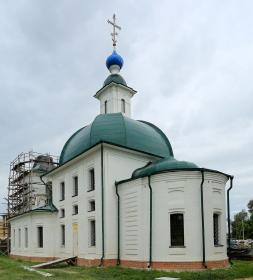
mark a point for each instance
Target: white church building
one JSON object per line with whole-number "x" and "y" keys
{"x": 119, "y": 197}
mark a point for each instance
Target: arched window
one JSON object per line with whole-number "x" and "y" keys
{"x": 123, "y": 106}
{"x": 106, "y": 107}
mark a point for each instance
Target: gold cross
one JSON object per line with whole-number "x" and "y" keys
{"x": 114, "y": 33}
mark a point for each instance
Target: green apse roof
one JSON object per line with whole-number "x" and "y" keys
{"x": 46, "y": 208}
{"x": 164, "y": 164}
{"x": 118, "y": 130}
{"x": 115, "y": 78}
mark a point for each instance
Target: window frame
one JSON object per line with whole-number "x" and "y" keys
{"x": 63, "y": 235}
{"x": 174, "y": 232}
{"x": 40, "y": 237}
{"x": 62, "y": 213}
{"x": 92, "y": 233}
{"x": 19, "y": 238}
{"x": 123, "y": 105}
{"x": 26, "y": 237}
{"x": 74, "y": 212}
{"x": 14, "y": 238}
{"x": 217, "y": 232}
{"x": 91, "y": 178}
{"x": 62, "y": 191}
{"x": 75, "y": 185}
{"x": 90, "y": 203}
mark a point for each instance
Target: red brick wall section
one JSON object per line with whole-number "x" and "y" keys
{"x": 175, "y": 265}
{"x": 96, "y": 262}
{"x": 135, "y": 264}
{"x": 218, "y": 264}
{"x": 33, "y": 259}
{"x": 87, "y": 262}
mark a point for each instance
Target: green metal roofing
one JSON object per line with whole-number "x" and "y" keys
{"x": 46, "y": 208}
{"x": 115, "y": 78}
{"x": 164, "y": 164}
{"x": 118, "y": 130}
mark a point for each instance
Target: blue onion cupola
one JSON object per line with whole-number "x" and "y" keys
{"x": 114, "y": 62}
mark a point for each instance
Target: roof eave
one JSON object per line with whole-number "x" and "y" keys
{"x": 38, "y": 210}
{"x": 174, "y": 170}
{"x": 99, "y": 92}
{"x": 52, "y": 172}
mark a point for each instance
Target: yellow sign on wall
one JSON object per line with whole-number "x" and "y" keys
{"x": 75, "y": 227}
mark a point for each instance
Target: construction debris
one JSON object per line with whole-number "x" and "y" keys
{"x": 46, "y": 274}
{"x": 167, "y": 278}
{"x": 68, "y": 260}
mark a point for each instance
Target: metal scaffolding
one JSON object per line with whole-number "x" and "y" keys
{"x": 4, "y": 234}
{"x": 24, "y": 181}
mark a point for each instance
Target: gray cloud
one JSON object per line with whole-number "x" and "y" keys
{"x": 191, "y": 62}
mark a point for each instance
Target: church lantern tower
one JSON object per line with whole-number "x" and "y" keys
{"x": 115, "y": 95}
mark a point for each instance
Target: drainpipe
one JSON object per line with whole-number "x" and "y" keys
{"x": 228, "y": 211}
{"x": 102, "y": 204}
{"x": 150, "y": 221}
{"x": 203, "y": 221}
{"x": 118, "y": 213}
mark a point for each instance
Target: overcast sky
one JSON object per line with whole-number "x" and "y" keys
{"x": 190, "y": 61}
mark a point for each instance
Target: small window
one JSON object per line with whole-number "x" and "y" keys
{"x": 92, "y": 206}
{"x": 40, "y": 236}
{"x": 106, "y": 107}
{"x": 216, "y": 233}
{"x": 75, "y": 186}
{"x": 123, "y": 105}
{"x": 92, "y": 233}
{"x": 62, "y": 213}
{"x": 62, "y": 191}
{"x": 62, "y": 235}
{"x": 92, "y": 179}
{"x": 75, "y": 209}
{"x": 14, "y": 238}
{"x": 26, "y": 237}
{"x": 19, "y": 237}
{"x": 177, "y": 230}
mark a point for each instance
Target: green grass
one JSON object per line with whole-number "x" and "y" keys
{"x": 12, "y": 270}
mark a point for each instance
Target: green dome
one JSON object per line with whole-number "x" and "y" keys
{"x": 118, "y": 130}
{"x": 114, "y": 78}
{"x": 162, "y": 165}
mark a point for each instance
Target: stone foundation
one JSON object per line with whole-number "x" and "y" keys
{"x": 96, "y": 262}
{"x": 136, "y": 264}
{"x": 33, "y": 259}
{"x": 175, "y": 265}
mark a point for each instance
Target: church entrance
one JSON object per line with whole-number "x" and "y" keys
{"x": 75, "y": 239}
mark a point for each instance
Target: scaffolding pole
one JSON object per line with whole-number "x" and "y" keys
{"x": 24, "y": 180}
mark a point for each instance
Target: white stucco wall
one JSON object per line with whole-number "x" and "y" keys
{"x": 134, "y": 220}
{"x": 113, "y": 95}
{"x": 77, "y": 226}
{"x": 215, "y": 202}
{"x": 118, "y": 164}
{"x": 32, "y": 221}
{"x": 177, "y": 192}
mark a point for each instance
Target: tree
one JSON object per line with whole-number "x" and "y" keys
{"x": 250, "y": 206}
{"x": 242, "y": 225}
{"x": 238, "y": 225}
{"x": 250, "y": 209}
